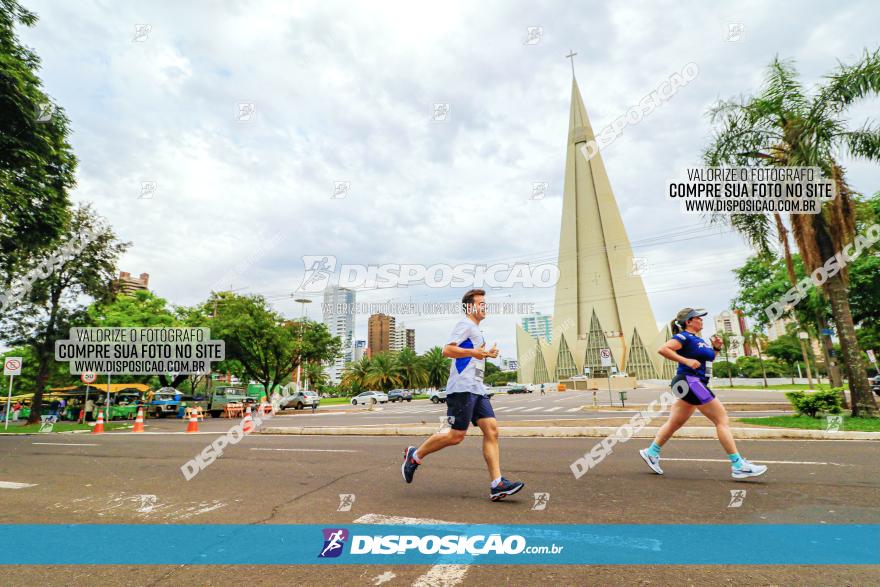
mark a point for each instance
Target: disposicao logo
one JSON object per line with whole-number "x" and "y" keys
{"x": 334, "y": 541}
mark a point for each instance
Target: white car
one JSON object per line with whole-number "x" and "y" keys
{"x": 437, "y": 395}
{"x": 369, "y": 397}
{"x": 300, "y": 399}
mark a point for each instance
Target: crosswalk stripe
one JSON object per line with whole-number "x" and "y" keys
{"x": 553, "y": 409}
{"x": 516, "y": 408}
{"x": 573, "y": 409}
{"x": 534, "y": 409}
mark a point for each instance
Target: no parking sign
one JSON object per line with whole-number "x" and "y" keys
{"x": 12, "y": 366}
{"x": 605, "y": 357}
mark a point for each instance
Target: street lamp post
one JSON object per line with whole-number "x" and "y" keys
{"x": 302, "y": 302}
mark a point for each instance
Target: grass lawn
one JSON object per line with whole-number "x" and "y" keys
{"x": 18, "y": 428}
{"x": 806, "y": 422}
{"x": 778, "y": 387}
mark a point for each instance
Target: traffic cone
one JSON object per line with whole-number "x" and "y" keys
{"x": 247, "y": 425}
{"x": 139, "y": 421}
{"x": 99, "y": 425}
{"x": 193, "y": 425}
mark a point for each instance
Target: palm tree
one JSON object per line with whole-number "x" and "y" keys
{"x": 383, "y": 372}
{"x": 757, "y": 338}
{"x": 314, "y": 373}
{"x": 411, "y": 368}
{"x": 437, "y": 367}
{"x": 784, "y": 126}
{"x": 354, "y": 375}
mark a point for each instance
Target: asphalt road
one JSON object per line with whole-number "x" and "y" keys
{"x": 125, "y": 478}
{"x": 531, "y": 407}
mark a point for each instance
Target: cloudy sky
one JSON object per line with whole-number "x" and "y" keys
{"x": 344, "y": 92}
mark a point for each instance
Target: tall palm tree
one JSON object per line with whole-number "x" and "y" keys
{"x": 437, "y": 366}
{"x": 354, "y": 375}
{"x": 314, "y": 373}
{"x": 411, "y": 368}
{"x": 784, "y": 126}
{"x": 383, "y": 372}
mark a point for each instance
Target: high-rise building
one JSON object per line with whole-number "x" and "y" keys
{"x": 411, "y": 339}
{"x": 380, "y": 333}
{"x": 539, "y": 325}
{"x": 398, "y": 336}
{"x": 128, "y": 284}
{"x": 360, "y": 350}
{"x": 601, "y": 302}
{"x": 734, "y": 325}
{"x": 339, "y": 318}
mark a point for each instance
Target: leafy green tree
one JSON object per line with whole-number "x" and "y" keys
{"x": 784, "y": 126}
{"x": 437, "y": 366}
{"x": 54, "y": 303}
{"x": 257, "y": 337}
{"x": 37, "y": 164}
{"x": 140, "y": 309}
{"x": 785, "y": 348}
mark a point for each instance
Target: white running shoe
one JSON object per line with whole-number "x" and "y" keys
{"x": 748, "y": 470}
{"x": 653, "y": 462}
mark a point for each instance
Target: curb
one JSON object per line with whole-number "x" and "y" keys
{"x": 574, "y": 432}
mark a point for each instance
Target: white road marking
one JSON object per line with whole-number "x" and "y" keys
{"x": 577, "y": 409}
{"x": 760, "y": 461}
{"x": 307, "y": 449}
{"x": 553, "y": 409}
{"x": 66, "y": 443}
{"x": 437, "y": 575}
{"x": 501, "y": 408}
{"x": 13, "y": 485}
{"x": 539, "y": 408}
{"x": 516, "y": 408}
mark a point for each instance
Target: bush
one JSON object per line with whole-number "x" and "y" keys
{"x": 811, "y": 404}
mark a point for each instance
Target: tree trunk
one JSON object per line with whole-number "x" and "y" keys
{"x": 863, "y": 403}
{"x": 43, "y": 360}
{"x": 827, "y": 350}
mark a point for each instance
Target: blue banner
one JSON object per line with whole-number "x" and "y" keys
{"x": 625, "y": 544}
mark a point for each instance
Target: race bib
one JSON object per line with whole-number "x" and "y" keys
{"x": 478, "y": 372}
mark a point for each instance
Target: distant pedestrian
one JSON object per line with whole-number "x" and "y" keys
{"x": 542, "y": 389}
{"x": 16, "y": 408}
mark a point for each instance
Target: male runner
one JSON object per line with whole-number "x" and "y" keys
{"x": 466, "y": 400}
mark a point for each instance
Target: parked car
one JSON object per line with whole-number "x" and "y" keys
{"x": 300, "y": 399}
{"x": 369, "y": 397}
{"x": 875, "y": 384}
{"x": 400, "y": 395}
{"x": 518, "y": 389}
{"x": 437, "y": 395}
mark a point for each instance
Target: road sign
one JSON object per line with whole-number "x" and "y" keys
{"x": 605, "y": 357}
{"x": 12, "y": 366}
{"x": 871, "y": 356}
{"x": 88, "y": 377}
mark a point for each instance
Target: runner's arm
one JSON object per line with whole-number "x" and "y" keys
{"x": 668, "y": 351}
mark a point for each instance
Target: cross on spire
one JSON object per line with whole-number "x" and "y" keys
{"x": 571, "y": 55}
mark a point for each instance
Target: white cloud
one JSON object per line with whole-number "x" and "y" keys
{"x": 344, "y": 92}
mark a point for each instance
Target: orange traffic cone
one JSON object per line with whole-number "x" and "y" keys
{"x": 247, "y": 425}
{"x": 99, "y": 425}
{"x": 139, "y": 421}
{"x": 193, "y": 425}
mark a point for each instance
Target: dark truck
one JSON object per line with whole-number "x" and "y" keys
{"x": 221, "y": 396}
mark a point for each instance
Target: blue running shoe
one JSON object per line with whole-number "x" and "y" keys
{"x": 409, "y": 466}
{"x": 505, "y": 488}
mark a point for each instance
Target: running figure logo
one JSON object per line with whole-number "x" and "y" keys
{"x": 346, "y": 500}
{"x": 834, "y": 423}
{"x": 334, "y": 541}
{"x": 541, "y": 501}
{"x": 446, "y": 423}
{"x": 319, "y": 268}
{"x": 737, "y": 497}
